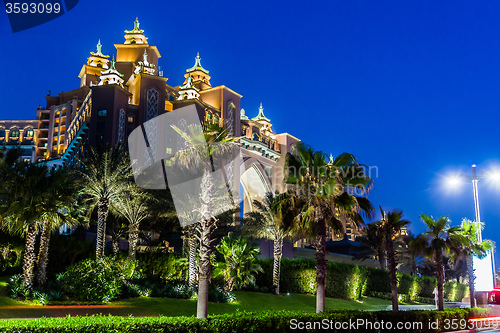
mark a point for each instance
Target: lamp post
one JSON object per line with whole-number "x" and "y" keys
{"x": 474, "y": 180}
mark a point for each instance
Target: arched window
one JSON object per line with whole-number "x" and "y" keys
{"x": 14, "y": 133}
{"x": 2, "y": 132}
{"x": 28, "y": 133}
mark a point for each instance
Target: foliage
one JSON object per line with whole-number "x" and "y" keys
{"x": 350, "y": 281}
{"x": 240, "y": 262}
{"x": 94, "y": 280}
{"x": 161, "y": 264}
{"x": 266, "y": 321}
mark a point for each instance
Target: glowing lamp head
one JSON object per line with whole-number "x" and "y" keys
{"x": 453, "y": 181}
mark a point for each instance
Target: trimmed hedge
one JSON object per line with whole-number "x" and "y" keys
{"x": 269, "y": 321}
{"x": 350, "y": 281}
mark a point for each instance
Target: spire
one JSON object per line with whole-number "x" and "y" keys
{"x": 136, "y": 35}
{"x": 197, "y": 65}
{"x": 99, "y": 47}
{"x": 261, "y": 116}
{"x": 136, "y": 29}
{"x": 98, "y": 52}
{"x": 113, "y": 63}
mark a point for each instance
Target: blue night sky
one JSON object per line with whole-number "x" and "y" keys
{"x": 409, "y": 87}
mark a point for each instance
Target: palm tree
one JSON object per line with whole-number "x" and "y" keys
{"x": 60, "y": 208}
{"x": 323, "y": 186}
{"x": 133, "y": 206}
{"x": 239, "y": 265}
{"x": 408, "y": 262}
{"x": 272, "y": 219}
{"x": 202, "y": 147}
{"x": 372, "y": 245}
{"x": 474, "y": 248}
{"x": 392, "y": 223}
{"x": 438, "y": 240}
{"x": 36, "y": 194}
{"x": 105, "y": 176}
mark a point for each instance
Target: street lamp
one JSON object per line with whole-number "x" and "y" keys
{"x": 474, "y": 180}
{"x": 484, "y": 268}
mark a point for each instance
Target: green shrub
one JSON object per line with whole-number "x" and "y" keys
{"x": 93, "y": 280}
{"x": 160, "y": 264}
{"x": 266, "y": 321}
{"x": 350, "y": 281}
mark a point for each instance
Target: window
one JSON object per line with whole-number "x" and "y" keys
{"x": 2, "y": 132}
{"x": 27, "y": 159}
{"x": 28, "y": 133}
{"x": 14, "y": 133}
{"x": 169, "y": 150}
{"x": 255, "y": 137}
{"x": 101, "y": 113}
{"x": 130, "y": 118}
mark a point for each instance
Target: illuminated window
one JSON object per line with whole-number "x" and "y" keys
{"x": 216, "y": 120}
{"x": 169, "y": 150}
{"x": 27, "y": 159}
{"x": 130, "y": 118}
{"x": 29, "y": 133}
{"x": 14, "y": 133}
{"x": 101, "y": 113}
{"x": 209, "y": 116}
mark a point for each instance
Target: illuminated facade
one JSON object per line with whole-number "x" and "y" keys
{"x": 120, "y": 92}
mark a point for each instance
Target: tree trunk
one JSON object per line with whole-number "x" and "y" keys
{"x": 133, "y": 235}
{"x": 206, "y": 225}
{"x": 192, "y": 260}
{"x": 278, "y": 248}
{"x": 392, "y": 271}
{"x": 440, "y": 279}
{"x": 115, "y": 242}
{"x": 43, "y": 254}
{"x": 470, "y": 273}
{"x": 102, "y": 215}
{"x": 204, "y": 271}
{"x": 29, "y": 256}
{"x": 383, "y": 262}
{"x": 320, "y": 263}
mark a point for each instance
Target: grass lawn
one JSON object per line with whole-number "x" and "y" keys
{"x": 151, "y": 306}
{"x": 246, "y": 301}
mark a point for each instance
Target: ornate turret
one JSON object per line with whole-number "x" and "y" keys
{"x": 111, "y": 76}
{"x": 242, "y": 114}
{"x": 145, "y": 66}
{"x": 261, "y": 116}
{"x": 136, "y": 35}
{"x": 198, "y": 74}
{"x": 188, "y": 91}
{"x": 89, "y": 74}
{"x": 98, "y": 59}
{"x": 264, "y": 121}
